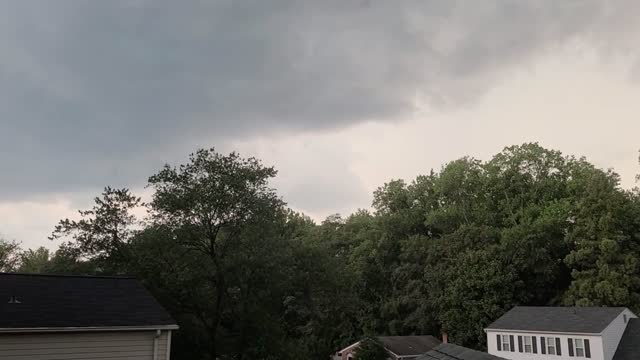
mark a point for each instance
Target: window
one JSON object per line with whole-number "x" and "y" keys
{"x": 505, "y": 343}
{"x": 551, "y": 345}
{"x": 528, "y": 347}
{"x": 625, "y": 318}
{"x": 579, "y": 345}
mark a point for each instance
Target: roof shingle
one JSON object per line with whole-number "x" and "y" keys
{"x": 589, "y": 320}
{"x": 456, "y": 352}
{"x": 51, "y": 301}
{"x": 409, "y": 345}
{"x": 629, "y": 346}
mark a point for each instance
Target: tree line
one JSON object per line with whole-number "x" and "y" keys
{"x": 247, "y": 278}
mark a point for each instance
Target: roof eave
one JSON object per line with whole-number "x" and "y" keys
{"x": 88, "y": 329}
{"x": 545, "y": 332}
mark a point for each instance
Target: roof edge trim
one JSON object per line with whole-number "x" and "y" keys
{"x": 543, "y": 332}
{"x": 88, "y": 329}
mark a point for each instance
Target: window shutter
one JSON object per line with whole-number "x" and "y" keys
{"x": 519, "y": 343}
{"x": 558, "y": 347}
{"x": 513, "y": 345}
{"x": 587, "y": 349}
{"x": 570, "y": 342}
{"x": 534, "y": 344}
{"x": 499, "y": 342}
{"x": 543, "y": 347}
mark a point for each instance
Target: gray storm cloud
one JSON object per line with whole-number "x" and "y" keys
{"x": 98, "y": 92}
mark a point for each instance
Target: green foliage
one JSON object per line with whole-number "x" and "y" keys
{"x": 247, "y": 278}
{"x": 34, "y": 261}
{"x": 103, "y": 231}
{"x": 220, "y": 211}
{"x": 9, "y": 255}
{"x": 370, "y": 348}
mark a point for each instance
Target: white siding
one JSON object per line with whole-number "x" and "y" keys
{"x": 613, "y": 333}
{"x": 89, "y": 345}
{"x": 595, "y": 342}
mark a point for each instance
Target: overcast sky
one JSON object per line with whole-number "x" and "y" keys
{"x": 340, "y": 96}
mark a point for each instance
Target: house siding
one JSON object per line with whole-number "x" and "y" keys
{"x": 595, "y": 342}
{"x": 88, "y": 345}
{"x": 613, "y": 333}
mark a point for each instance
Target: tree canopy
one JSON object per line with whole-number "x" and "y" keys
{"x": 451, "y": 250}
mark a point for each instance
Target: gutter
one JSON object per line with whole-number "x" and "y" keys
{"x": 168, "y": 356}
{"x": 87, "y": 329}
{"x": 542, "y": 332}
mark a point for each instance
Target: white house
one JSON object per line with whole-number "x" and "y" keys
{"x": 559, "y": 333}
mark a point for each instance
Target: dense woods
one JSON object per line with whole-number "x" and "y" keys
{"x": 247, "y": 278}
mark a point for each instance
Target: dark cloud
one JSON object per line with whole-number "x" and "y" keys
{"x": 99, "y": 92}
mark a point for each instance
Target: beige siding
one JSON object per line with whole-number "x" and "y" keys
{"x": 67, "y": 346}
{"x": 162, "y": 346}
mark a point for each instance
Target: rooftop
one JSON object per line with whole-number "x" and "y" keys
{"x": 456, "y": 352}
{"x": 409, "y": 345}
{"x": 588, "y": 320}
{"x": 56, "y": 301}
{"x": 629, "y": 346}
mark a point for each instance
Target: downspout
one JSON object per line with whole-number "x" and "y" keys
{"x": 168, "y": 356}
{"x": 155, "y": 345}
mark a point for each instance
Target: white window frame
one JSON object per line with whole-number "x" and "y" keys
{"x": 576, "y": 347}
{"x": 506, "y": 342}
{"x": 527, "y": 341}
{"x": 551, "y": 344}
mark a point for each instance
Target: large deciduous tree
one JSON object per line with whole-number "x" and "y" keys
{"x": 221, "y": 209}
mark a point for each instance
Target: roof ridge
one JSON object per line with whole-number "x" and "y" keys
{"x": 390, "y": 336}
{"x": 570, "y": 306}
{"x": 121, "y": 277}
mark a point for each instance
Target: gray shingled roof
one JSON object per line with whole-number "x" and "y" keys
{"x": 52, "y": 301}
{"x": 629, "y": 346}
{"x": 409, "y": 345}
{"x": 456, "y": 352}
{"x": 589, "y": 320}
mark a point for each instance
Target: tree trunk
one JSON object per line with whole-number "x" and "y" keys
{"x": 217, "y": 316}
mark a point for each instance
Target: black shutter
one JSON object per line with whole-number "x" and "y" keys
{"x": 587, "y": 348}
{"x": 519, "y": 343}
{"x": 534, "y": 344}
{"x": 543, "y": 347}
{"x": 570, "y": 342}
{"x": 558, "y": 347}
{"x": 513, "y": 345}
{"x": 499, "y": 342}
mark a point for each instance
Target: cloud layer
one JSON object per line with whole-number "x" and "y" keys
{"x": 104, "y": 92}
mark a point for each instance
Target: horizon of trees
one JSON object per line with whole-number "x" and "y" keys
{"x": 247, "y": 278}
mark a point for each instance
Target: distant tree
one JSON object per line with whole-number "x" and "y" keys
{"x": 9, "y": 255}
{"x": 102, "y": 231}
{"x": 34, "y": 261}
{"x": 371, "y": 348}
